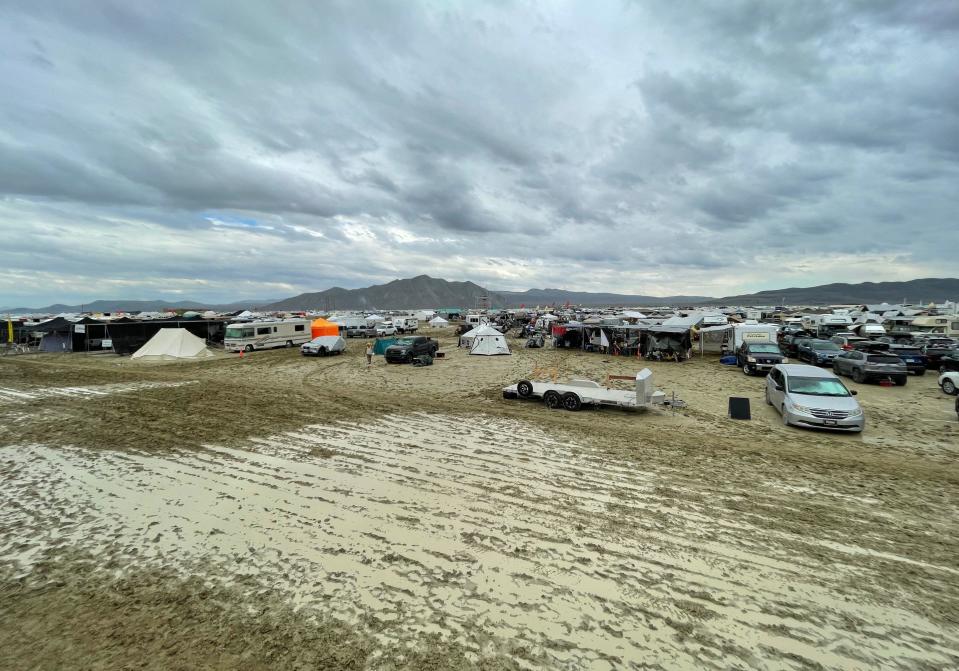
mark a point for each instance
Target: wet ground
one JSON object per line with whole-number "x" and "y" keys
{"x": 334, "y": 516}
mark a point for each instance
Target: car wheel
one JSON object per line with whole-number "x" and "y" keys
{"x": 322, "y": 352}
{"x": 746, "y": 369}
{"x": 572, "y": 402}
{"x": 552, "y": 399}
{"x": 949, "y": 387}
{"x": 900, "y": 381}
{"x": 784, "y": 416}
{"x": 409, "y": 358}
{"x": 768, "y": 402}
{"x": 524, "y": 388}
{"x": 920, "y": 372}
{"x": 857, "y": 376}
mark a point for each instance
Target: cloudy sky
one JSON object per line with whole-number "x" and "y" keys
{"x": 228, "y": 150}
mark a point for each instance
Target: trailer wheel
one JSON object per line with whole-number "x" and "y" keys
{"x": 552, "y": 399}
{"x": 248, "y": 348}
{"x": 289, "y": 343}
{"x": 524, "y": 388}
{"x": 572, "y": 402}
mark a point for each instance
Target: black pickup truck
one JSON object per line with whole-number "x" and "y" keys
{"x": 405, "y": 349}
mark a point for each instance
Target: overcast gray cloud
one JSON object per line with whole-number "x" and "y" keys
{"x": 220, "y": 150}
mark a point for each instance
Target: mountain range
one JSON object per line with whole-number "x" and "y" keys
{"x": 428, "y": 292}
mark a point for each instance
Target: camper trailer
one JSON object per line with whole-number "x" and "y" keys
{"x": 947, "y": 325}
{"x": 248, "y": 336}
{"x": 406, "y": 324}
{"x": 827, "y": 325}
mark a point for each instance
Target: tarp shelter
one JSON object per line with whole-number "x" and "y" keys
{"x": 172, "y": 344}
{"x": 489, "y": 342}
{"x": 438, "y": 322}
{"x": 321, "y": 327}
{"x": 380, "y": 345}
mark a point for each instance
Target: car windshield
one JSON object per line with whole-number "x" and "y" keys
{"x": 817, "y": 386}
{"x": 404, "y": 341}
{"x": 825, "y": 345}
{"x": 764, "y": 349}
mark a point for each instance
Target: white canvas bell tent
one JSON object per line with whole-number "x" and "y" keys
{"x": 488, "y": 342}
{"x": 173, "y": 344}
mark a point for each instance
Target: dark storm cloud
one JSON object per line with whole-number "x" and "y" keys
{"x": 582, "y": 144}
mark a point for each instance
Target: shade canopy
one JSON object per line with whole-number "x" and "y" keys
{"x": 322, "y": 327}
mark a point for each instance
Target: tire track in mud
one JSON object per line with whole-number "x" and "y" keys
{"x": 478, "y": 528}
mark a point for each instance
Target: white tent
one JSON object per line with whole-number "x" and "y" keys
{"x": 488, "y": 342}
{"x": 483, "y": 329}
{"x": 632, "y": 314}
{"x": 172, "y": 344}
{"x": 438, "y": 322}
{"x": 425, "y": 315}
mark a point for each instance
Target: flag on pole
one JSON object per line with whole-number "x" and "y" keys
{"x": 9, "y": 329}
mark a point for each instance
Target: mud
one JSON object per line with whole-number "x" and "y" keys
{"x": 418, "y": 520}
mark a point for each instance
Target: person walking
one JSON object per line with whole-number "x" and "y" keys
{"x": 369, "y": 354}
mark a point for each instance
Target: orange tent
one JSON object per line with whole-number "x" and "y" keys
{"x": 321, "y": 327}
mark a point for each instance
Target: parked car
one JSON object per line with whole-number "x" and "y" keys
{"x": 759, "y": 357}
{"x": 385, "y": 329}
{"x": 812, "y": 396}
{"x": 865, "y": 366}
{"x": 913, "y": 357}
{"x": 790, "y": 343}
{"x": 323, "y": 346}
{"x": 935, "y": 352}
{"x": 847, "y": 342}
{"x": 949, "y": 362}
{"x": 949, "y": 383}
{"x": 818, "y": 352}
{"x": 408, "y": 348}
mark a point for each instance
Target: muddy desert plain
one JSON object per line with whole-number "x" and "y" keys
{"x": 279, "y": 512}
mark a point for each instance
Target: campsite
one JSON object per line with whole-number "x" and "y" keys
{"x": 394, "y": 516}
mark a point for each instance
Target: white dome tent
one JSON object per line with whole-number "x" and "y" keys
{"x": 487, "y": 341}
{"x": 171, "y": 345}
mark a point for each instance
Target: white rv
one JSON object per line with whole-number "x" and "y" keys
{"x": 947, "y": 325}
{"x": 406, "y": 324}
{"x": 828, "y": 324}
{"x": 249, "y": 336}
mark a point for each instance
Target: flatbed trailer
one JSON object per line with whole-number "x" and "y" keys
{"x": 574, "y": 394}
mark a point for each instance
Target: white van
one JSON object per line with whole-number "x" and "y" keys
{"x": 249, "y": 336}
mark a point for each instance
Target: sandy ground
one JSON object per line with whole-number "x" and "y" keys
{"x": 273, "y": 511}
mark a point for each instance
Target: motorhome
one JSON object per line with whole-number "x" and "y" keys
{"x": 827, "y": 325}
{"x": 947, "y": 325}
{"x": 406, "y": 324}
{"x": 248, "y": 336}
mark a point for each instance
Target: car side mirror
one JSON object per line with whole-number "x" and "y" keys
{"x": 854, "y": 392}
{"x": 777, "y": 386}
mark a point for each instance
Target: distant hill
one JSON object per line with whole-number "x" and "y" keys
{"x": 533, "y": 297}
{"x": 417, "y": 292}
{"x": 926, "y": 290}
{"x": 132, "y": 306}
{"x": 428, "y": 292}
